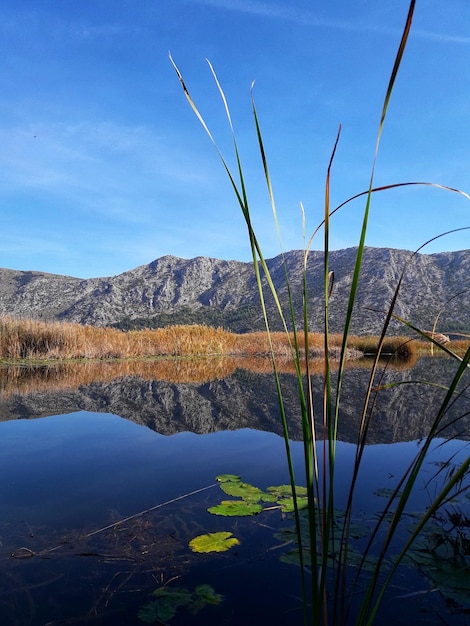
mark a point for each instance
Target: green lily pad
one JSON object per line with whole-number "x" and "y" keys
{"x": 224, "y": 478}
{"x": 451, "y": 574}
{"x": 170, "y": 599}
{"x": 149, "y": 613}
{"x": 207, "y": 592}
{"x": 358, "y": 531}
{"x": 242, "y": 490}
{"x": 234, "y": 508}
{"x": 269, "y": 497}
{"x": 287, "y": 504}
{"x": 213, "y": 542}
{"x": 286, "y": 490}
{"x": 293, "y": 558}
{"x": 204, "y": 595}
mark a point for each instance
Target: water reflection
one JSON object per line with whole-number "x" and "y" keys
{"x": 108, "y": 470}
{"x": 62, "y": 376}
{"x": 197, "y": 395}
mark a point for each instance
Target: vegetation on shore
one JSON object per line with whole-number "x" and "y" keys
{"x": 39, "y": 340}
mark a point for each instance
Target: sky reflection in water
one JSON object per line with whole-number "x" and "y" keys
{"x": 72, "y": 470}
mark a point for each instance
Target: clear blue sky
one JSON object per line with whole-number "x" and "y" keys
{"x": 104, "y": 166}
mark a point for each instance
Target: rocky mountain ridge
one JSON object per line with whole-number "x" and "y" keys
{"x": 224, "y": 293}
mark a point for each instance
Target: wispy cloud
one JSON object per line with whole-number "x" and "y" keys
{"x": 38, "y": 22}
{"x": 441, "y": 37}
{"x": 308, "y": 18}
{"x": 115, "y": 170}
{"x": 34, "y": 245}
{"x": 272, "y": 10}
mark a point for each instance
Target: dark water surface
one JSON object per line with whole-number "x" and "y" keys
{"x": 103, "y": 484}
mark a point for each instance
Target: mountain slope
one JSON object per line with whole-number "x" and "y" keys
{"x": 174, "y": 290}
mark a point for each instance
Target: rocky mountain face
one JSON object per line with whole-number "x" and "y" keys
{"x": 224, "y": 293}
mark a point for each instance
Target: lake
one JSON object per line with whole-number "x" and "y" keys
{"x": 108, "y": 471}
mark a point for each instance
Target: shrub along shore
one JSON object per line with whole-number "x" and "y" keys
{"x": 22, "y": 339}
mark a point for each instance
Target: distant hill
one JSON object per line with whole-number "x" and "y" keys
{"x": 223, "y": 293}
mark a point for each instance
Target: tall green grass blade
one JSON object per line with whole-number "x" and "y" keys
{"x": 329, "y": 431}
{"x": 405, "y": 489}
{"x": 258, "y": 259}
{"x": 341, "y": 583}
{"x": 304, "y": 408}
{"x": 320, "y": 452}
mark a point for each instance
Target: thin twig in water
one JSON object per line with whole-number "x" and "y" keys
{"x": 153, "y": 508}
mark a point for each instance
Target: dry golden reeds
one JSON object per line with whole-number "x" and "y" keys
{"x": 38, "y": 340}
{"x": 35, "y": 340}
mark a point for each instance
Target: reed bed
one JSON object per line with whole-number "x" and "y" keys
{"x": 22, "y": 339}
{"x": 38, "y": 340}
{"x": 399, "y": 346}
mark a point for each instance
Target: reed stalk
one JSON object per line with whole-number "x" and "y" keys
{"x": 331, "y": 595}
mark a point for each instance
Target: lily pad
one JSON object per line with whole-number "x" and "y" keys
{"x": 286, "y": 490}
{"x": 242, "y": 490}
{"x": 235, "y": 508}
{"x": 224, "y": 478}
{"x": 213, "y": 542}
{"x": 207, "y": 592}
{"x": 149, "y": 613}
{"x": 170, "y": 599}
{"x": 358, "y": 531}
{"x": 447, "y": 571}
{"x": 287, "y": 504}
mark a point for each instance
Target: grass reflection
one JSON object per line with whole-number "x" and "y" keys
{"x": 29, "y": 379}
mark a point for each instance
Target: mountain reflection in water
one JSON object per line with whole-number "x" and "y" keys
{"x": 208, "y": 395}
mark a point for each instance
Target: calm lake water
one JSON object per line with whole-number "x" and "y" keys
{"x": 107, "y": 473}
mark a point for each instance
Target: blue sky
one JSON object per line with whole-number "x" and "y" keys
{"x": 104, "y": 166}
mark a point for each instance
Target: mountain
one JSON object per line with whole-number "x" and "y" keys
{"x": 224, "y": 293}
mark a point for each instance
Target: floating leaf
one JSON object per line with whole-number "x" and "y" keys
{"x": 170, "y": 599}
{"x": 204, "y": 595}
{"x": 286, "y": 490}
{"x": 269, "y": 497}
{"x": 242, "y": 490}
{"x": 177, "y": 594}
{"x": 149, "y": 613}
{"x": 287, "y": 504}
{"x": 292, "y": 558}
{"x": 451, "y": 574}
{"x": 207, "y": 592}
{"x": 223, "y": 478}
{"x": 356, "y": 559}
{"x": 357, "y": 531}
{"x": 234, "y": 508}
{"x": 286, "y": 535}
{"x": 213, "y": 542}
